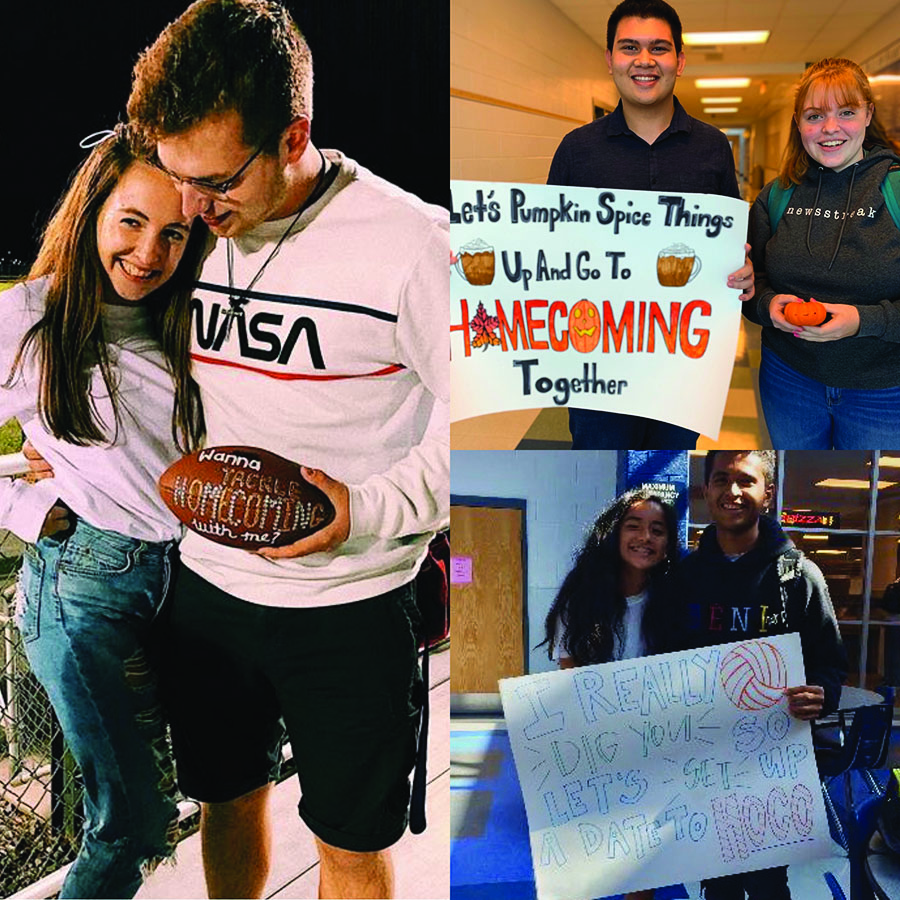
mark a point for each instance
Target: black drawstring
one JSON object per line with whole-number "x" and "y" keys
{"x": 815, "y": 206}
{"x": 844, "y": 220}
{"x": 417, "y": 798}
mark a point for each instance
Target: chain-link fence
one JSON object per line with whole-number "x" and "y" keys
{"x": 40, "y": 791}
{"x": 40, "y": 797}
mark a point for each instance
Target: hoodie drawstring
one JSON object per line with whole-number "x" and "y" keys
{"x": 814, "y": 206}
{"x": 843, "y": 220}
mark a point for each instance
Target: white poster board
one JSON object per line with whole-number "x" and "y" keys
{"x": 665, "y": 769}
{"x": 598, "y": 299}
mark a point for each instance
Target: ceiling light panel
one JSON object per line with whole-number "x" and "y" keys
{"x": 712, "y": 38}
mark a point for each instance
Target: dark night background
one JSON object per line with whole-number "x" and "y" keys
{"x": 380, "y": 94}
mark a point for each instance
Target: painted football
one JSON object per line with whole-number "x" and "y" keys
{"x": 244, "y": 497}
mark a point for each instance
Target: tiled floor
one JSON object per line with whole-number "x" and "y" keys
{"x": 477, "y": 786}
{"x": 548, "y": 429}
{"x": 422, "y": 862}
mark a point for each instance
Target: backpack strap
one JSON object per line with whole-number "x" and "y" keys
{"x": 779, "y": 198}
{"x": 789, "y": 567}
{"x": 890, "y": 189}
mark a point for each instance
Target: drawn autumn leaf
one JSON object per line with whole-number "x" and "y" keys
{"x": 483, "y": 325}
{"x": 486, "y": 340}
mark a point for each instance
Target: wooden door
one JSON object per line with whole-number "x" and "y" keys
{"x": 488, "y": 634}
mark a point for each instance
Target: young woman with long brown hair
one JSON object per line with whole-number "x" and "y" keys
{"x": 94, "y": 347}
{"x": 835, "y": 384}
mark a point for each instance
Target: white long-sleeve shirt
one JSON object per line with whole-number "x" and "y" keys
{"x": 339, "y": 362}
{"x": 112, "y": 486}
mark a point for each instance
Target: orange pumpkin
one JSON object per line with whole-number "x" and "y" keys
{"x": 584, "y": 326}
{"x": 809, "y": 312}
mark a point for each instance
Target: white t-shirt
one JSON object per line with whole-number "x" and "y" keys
{"x": 630, "y": 647}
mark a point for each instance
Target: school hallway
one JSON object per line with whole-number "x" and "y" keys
{"x": 525, "y": 76}
{"x": 519, "y": 519}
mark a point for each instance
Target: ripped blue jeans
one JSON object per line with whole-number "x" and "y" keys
{"x": 86, "y": 604}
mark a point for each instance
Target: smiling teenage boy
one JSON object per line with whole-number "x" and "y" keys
{"x": 319, "y": 334}
{"x": 648, "y": 143}
{"x": 747, "y": 580}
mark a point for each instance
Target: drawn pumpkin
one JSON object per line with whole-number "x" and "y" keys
{"x": 809, "y": 312}
{"x": 584, "y": 326}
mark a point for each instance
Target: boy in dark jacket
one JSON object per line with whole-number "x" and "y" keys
{"x": 746, "y": 580}
{"x": 648, "y": 143}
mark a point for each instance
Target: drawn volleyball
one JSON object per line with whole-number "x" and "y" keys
{"x": 754, "y": 676}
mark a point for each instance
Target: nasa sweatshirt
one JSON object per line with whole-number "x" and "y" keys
{"x": 837, "y": 243}
{"x": 338, "y": 361}
{"x": 730, "y": 600}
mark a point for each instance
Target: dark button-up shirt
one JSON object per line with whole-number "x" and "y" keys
{"x": 689, "y": 156}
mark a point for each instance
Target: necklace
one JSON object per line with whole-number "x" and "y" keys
{"x": 236, "y": 303}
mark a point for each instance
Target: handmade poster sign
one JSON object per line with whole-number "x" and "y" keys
{"x": 665, "y": 769}
{"x": 600, "y": 299}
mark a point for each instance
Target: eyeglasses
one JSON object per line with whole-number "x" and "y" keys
{"x": 219, "y": 188}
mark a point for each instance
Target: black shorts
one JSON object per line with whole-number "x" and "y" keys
{"x": 343, "y": 681}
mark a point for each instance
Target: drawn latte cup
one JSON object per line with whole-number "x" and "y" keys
{"x": 476, "y": 262}
{"x": 677, "y": 265}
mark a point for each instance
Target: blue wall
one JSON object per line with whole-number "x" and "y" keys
{"x": 563, "y": 491}
{"x": 658, "y": 467}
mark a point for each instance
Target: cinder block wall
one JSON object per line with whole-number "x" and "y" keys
{"x": 563, "y": 490}
{"x": 522, "y": 76}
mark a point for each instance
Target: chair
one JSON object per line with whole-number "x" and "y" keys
{"x": 883, "y": 857}
{"x": 861, "y": 745}
{"x": 842, "y": 749}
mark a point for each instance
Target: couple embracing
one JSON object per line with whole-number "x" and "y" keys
{"x": 629, "y": 594}
{"x": 214, "y": 197}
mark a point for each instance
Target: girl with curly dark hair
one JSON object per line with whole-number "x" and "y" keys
{"x": 615, "y": 603}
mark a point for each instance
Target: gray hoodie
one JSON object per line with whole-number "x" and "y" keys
{"x": 836, "y": 242}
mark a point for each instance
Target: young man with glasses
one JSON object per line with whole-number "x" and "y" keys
{"x": 648, "y": 143}
{"x": 320, "y": 334}
{"x": 220, "y": 189}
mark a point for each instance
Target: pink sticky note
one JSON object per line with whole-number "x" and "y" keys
{"x": 460, "y": 570}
